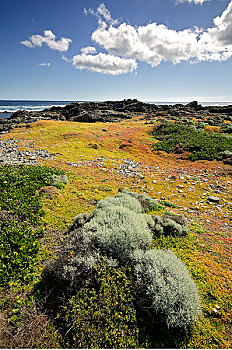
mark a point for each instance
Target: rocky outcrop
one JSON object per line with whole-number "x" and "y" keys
{"x": 114, "y": 111}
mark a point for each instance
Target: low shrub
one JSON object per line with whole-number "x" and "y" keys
{"x": 169, "y": 225}
{"x": 75, "y": 262}
{"x": 165, "y": 289}
{"x": 200, "y": 144}
{"x": 102, "y": 316}
{"x": 104, "y": 276}
{"x": 145, "y": 201}
{"x": 79, "y": 221}
{"x": 123, "y": 199}
{"x": 20, "y": 214}
{"x": 224, "y": 155}
{"x": 119, "y": 230}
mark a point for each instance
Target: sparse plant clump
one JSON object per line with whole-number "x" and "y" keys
{"x": 170, "y": 225}
{"x": 167, "y": 203}
{"x": 33, "y": 329}
{"x": 59, "y": 180}
{"x": 165, "y": 288}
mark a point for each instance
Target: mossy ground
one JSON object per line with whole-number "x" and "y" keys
{"x": 206, "y": 251}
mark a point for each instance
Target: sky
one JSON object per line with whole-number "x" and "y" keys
{"x": 86, "y": 50}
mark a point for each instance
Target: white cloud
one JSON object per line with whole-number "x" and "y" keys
{"x": 49, "y": 39}
{"x": 189, "y": 1}
{"x": 66, "y": 58}
{"x": 45, "y": 64}
{"x": 88, "y": 49}
{"x": 103, "y": 14}
{"x": 154, "y": 43}
{"x": 216, "y": 43}
{"x": 103, "y": 63}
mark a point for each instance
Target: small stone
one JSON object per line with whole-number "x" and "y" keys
{"x": 213, "y": 199}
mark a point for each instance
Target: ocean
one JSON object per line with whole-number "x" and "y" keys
{"x": 7, "y": 107}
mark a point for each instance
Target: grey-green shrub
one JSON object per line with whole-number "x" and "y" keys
{"x": 79, "y": 221}
{"x": 59, "y": 180}
{"x": 122, "y": 199}
{"x": 169, "y": 225}
{"x": 82, "y": 257}
{"x": 145, "y": 201}
{"x": 119, "y": 230}
{"x": 165, "y": 288}
{"x": 76, "y": 259}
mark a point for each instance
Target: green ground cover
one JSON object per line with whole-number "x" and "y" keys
{"x": 103, "y": 308}
{"x": 21, "y": 213}
{"x": 177, "y": 138}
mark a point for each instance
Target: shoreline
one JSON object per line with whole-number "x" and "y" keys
{"x": 36, "y": 106}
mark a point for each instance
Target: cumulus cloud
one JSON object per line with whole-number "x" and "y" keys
{"x": 104, "y": 63}
{"x": 88, "y": 49}
{"x": 48, "y": 39}
{"x": 216, "y": 43}
{"x": 154, "y": 43}
{"x": 124, "y": 45}
{"x": 45, "y": 64}
{"x": 189, "y": 1}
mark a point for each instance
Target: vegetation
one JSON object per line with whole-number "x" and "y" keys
{"x": 119, "y": 230}
{"x": 20, "y": 213}
{"x": 165, "y": 288}
{"x": 102, "y": 276}
{"x": 71, "y": 305}
{"x": 103, "y": 317}
{"x": 178, "y": 138}
{"x": 169, "y": 225}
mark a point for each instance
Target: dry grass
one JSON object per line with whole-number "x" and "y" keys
{"x": 34, "y": 330}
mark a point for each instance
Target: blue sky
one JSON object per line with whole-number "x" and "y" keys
{"x": 152, "y": 50}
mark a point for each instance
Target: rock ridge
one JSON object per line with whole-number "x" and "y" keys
{"x": 115, "y": 111}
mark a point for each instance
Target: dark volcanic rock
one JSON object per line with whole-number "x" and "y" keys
{"x": 113, "y": 111}
{"x": 193, "y": 104}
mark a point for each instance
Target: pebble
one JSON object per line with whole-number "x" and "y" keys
{"x": 9, "y": 153}
{"x": 213, "y": 199}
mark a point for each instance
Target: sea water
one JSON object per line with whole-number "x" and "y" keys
{"x": 7, "y": 107}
